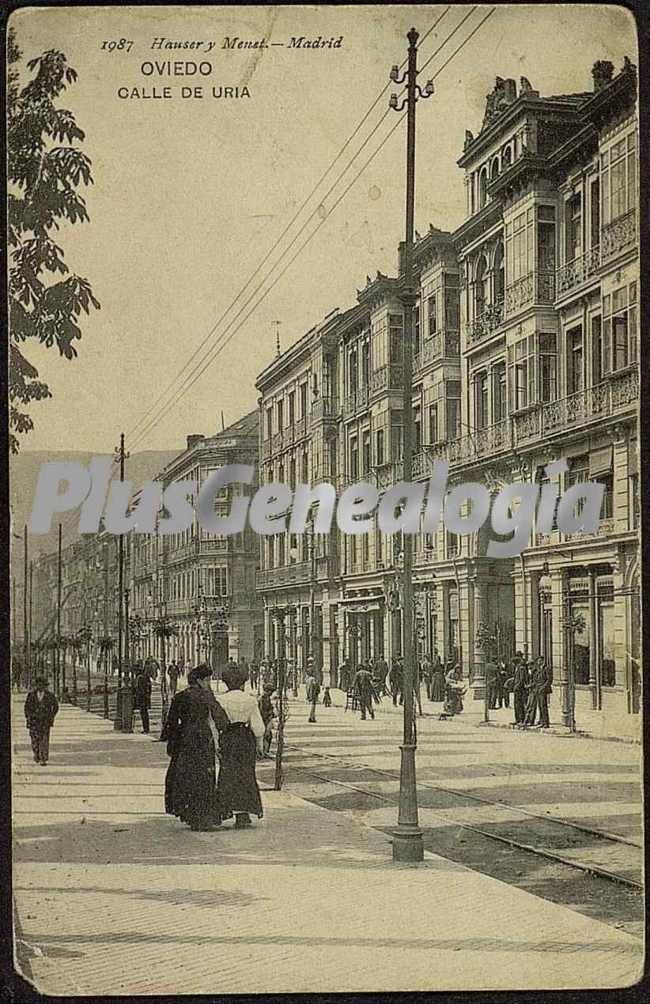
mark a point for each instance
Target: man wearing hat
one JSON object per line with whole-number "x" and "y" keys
{"x": 41, "y": 707}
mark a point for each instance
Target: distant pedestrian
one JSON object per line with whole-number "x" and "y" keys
{"x": 243, "y": 737}
{"x": 344, "y": 676}
{"x": 540, "y": 688}
{"x": 454, "y": 692}
{"x": 519, "y": 684}
{"x": 255, "y": 676}
{"x": 437, "y": 680}
{"x": 491, "y": 684}
{"x": 41, "y": 707}
{"x": 142, "y": 698}
{"x": 380, "y": 674}
{"x": 191, "y": 732}
{"x": 364, "y": 692}
{"x": 327, "y": 698}
{"x": 267, "y": 712}
{"x": 172, "y": 673}
{"x": 395, "y": 679}
{"x": 312, "y": 688}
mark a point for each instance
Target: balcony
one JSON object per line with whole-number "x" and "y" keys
{"x": 289, "y": 575}
{"x": 443, "y": 345}
{"x": 323, "y": 408}
{"x": 486, "y": 323}
{"x": 356, "y": 402}
{"x": 536, "y": 287}
{"x": 387, "y": 378}
{"x": 575, "y": 272}
{"x": 618, "y": 236}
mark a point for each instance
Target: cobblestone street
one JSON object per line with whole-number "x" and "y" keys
{"x": 113, "y": 896}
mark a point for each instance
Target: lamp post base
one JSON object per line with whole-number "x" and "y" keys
{"x": 127, "y": 710}
{"x": 407, "y": 838}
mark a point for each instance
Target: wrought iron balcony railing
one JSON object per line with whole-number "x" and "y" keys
{"x": 536, "y": 287}
{"x": 486, "y": 323}
{"x": 574, "y": 273}
{"x": 619, "y": 235}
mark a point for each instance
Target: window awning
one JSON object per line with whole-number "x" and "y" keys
{"x": 600, "y": 461}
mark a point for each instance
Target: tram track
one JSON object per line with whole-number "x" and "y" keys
{"x": 513, "y": 842}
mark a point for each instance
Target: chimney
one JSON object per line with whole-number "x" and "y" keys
{"x": 193, "y": 440}
{"x": 602, "y": 72}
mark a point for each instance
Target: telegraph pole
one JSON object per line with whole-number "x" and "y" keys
{"x": 407, "y": 838}
{"x": 58, "y": 620}
{"x": 27, "y": 667}
{"x": 118, "y": 724}
{"x": 31, "y": 619}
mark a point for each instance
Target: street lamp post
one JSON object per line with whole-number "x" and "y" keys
{"x": 407, "y": 838}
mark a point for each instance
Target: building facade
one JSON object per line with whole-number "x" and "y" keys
{"x": 525, "y": 353}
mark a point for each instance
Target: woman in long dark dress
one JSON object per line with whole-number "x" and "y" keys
{"x": 437, "y": 681}
{"x": 241, "y": 743}
{"x": 191, "y": 731}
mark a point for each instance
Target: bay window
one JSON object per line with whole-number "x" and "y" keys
{"x": 452, "y": 416}
{"x": 618, "y": 179}
{"x": 574, "y": 360}
{"x": 619, "y": 341}
{"x": 522, "y": 372}
{"x": 547, "y": 367}
{"x": 499, "y": 402}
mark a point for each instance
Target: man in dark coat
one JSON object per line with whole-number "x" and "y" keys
{"x": 491, "y": 684}
{"x": 41, "y": 707}
{"x": 380, "y": 675}
{"x": 364, "y": 691}
{"x": 142, "y": 698}
{"x": 172, "y": 673}
{"x": 395, "y": 679}
{"x": 519, "y": 687}
{"x": 540, "y": 688}
{"x": 191, "y": 733}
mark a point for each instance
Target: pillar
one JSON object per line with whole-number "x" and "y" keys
{"x": 480, "y": 608}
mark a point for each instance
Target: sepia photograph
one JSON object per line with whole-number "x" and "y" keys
{"x": 324, "y": 502}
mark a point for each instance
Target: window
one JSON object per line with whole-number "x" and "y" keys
{"x": 482, "y": 188}
{"x": 433, "y": 423}
{"x": 481, "y": 295}
{"x": 599, "y": 363}
{"x": 269, "y": 422}
{"x": 452, "y": 545}
{"x": 417, "y": 429}
{"x": 574, "y": 357}
{"x": 499, "y": 406}
{"x": 281, "y": 550}
{"x": 618, "y": 179}
{"x": 519, "y": 246}
{"x": 522, "y": 356}
{"x": 305, "y": 468}
{"x": 353, "y": 376}
{"x": 546, "y": 238}
{"x": 354, "y": 459}
{"x": 303, "y": 400}
{"x": 499, "y": 272}
{"x": 396, "y": 336}
{"x": 452, "y": 409}
{"x": 379, "y": 443}
{"x": 215, "y": 583}
{"x": 578, "y": 473}
{"x": 432, "y": 315}
{"x": 292, "y": 472}
{"x": 547, "y": 367}
{"x": 292, "y": 407}
{"x": 607, "y": 508}
{"x": 416, "y": 328}
{"x": 573, "y": 227}
{"x": 366, "y": 550}
{"x": 542, "y": 480}
{"x": 619, "y": 347}
{"x": 367, "y": 458}
{"x": 365, "y": 364}
{"x": 481, "y": 417}
{"x": 595, "y": 213}
{"x": 280, "y": 407}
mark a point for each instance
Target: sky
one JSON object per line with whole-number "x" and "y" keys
{"x": 190, "y": 194}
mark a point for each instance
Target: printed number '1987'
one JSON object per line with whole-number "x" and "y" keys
{"x": 120, "y": 44}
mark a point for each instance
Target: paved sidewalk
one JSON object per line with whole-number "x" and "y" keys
{"x": 115, "y": 897}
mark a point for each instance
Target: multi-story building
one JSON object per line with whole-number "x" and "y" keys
{"x": 525, "y": 342}
{"x": 201, "y": 583}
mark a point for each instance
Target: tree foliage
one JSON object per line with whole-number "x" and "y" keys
{"x": 45, "y": 171}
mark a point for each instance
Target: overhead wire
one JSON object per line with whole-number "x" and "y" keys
{"x": 281, "y": 237}
{"x": 200, "y": 367}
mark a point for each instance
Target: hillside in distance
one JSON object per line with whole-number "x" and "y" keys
{"x": 23, "y": 475}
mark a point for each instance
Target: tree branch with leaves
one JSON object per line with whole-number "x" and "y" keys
{"x": 45, "y": 170}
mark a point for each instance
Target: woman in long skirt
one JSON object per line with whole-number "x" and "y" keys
{"x": 191, "y": 731}
{"x": 241, "y": 743}
{"x": 437, "y": 682}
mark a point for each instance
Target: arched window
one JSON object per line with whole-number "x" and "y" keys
{"x": 506, "y": 157}
{"x": 499, "y": 272}
{"x": 494, "y": 171}
{"x": 480, "y": 287}
{"x": 482, "y": 188}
